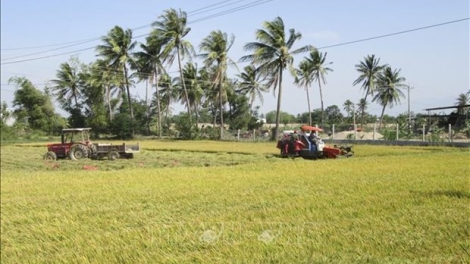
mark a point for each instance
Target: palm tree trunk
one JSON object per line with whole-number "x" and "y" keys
{"x": 147, "y": 122}
{"x": 363, "y": 111}
{"x": 186, "y": 97}
{"x": 197, "y": 115}
{"x": 321, "y": 99}
{"x": 382, "y": 116}
{"x": 214, "y": 114}
{"x": 309, "y": 111}
{"x": 129, "y": 100}
{"x": 220, "y": 109}
{"x": 157, "y": 93}
{"x": 108, "y": 98}
{"x": 278, "y": 108}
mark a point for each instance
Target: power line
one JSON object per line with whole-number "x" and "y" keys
{"x": 255, "y": 3}
{"x": 261, "y": 2}
{"x": 396, "y": 33}
{"x": 79, "y": 42}
{"x": 214, "y": 8}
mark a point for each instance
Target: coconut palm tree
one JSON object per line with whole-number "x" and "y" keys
{"x": 168, "y": 89}
{"x": 211, "y": 93}
{"x": 369, "y": 70}
{"x": 462, "y": 101}
{"x": 149, "y": 65}
{"x": 102, "y": 75}
{"x": 215, "y": 49}
{"x": 273, "y": 54}
{"x": 251, "y": 85}
{"x": 362, "y": 106}
{"x": 172, "y": 27}
{"x": 193, "y": 86}
{"x": 348, "y": 106}
{"x": 304, "y": 78}
{"x": 389, "y": 83}
{"x": 116, "y": 51}
{"x": 320, "y": 70}
{"x": 67, "y": 86}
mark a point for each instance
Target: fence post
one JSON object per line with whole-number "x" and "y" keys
{"x": 238, "y": 135}
{"x": 397, "y": 132}
{"x": 450, "y": 133}
{"x": 333, "y": 132}
{"x": 424, "y": 132}
{"x": 254, "y": 135}
{"x": 375, "y": 129}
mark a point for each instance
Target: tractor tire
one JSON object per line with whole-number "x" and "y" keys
{"x": 78, "y": 152}
{"x": 113, "y": 154}
{"x": 50, "y": 156}
{"x": 93, "y": 152}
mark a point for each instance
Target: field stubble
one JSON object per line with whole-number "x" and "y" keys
{"x": 236, "y": 202}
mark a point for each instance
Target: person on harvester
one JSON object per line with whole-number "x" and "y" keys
{"x": 298, "y": 145}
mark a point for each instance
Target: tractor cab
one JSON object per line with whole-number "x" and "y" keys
{"x": 75, "y": 135}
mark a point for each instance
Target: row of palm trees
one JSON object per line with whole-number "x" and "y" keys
{"x": 269, "y": 56}
{"x": 380, "y": 81}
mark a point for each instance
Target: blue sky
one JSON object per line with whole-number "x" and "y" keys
{"x": 434, "y": 61}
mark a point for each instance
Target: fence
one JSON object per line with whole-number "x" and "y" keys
{"x": 370, "y": 132}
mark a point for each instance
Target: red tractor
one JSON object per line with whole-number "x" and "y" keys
{"x": 75, "y": 144}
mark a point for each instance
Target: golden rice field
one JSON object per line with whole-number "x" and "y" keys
{"x": 229, "y": 202}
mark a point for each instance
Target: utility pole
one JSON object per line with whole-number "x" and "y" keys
{"x": 408, "y": 88}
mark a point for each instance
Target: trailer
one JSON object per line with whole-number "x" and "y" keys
{"x": 112, "y": 152}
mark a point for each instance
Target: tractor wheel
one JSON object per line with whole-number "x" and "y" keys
{"x": 50, "y": 156}
{"x": 113, "y": 154}
{"x": 78, "y": 152}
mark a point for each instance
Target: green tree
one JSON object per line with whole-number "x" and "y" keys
{"x": 348, "y": 106}
{"x": 149, "y": 64}
{"x": 116, "y": 51}
{"x": 320, "y": 70}
{"x": 273, "y": 53}
{"x": 462, "y": 101}
{"x": 211, "y": 92}
{"x": 285, "y": 117}
{"x": 33, "y": 107}
{"x": 168, "y": 89}
{"x": 94, "y": 94}
{"x": 368, "y": 70}
{"x": 66, "y": 87}
{"x": 239, "y": 111}
{"x": 193, "y": 87}
{"x": 102, "y": 75}
{"x": 215, "y": 48}
{"x": 250, "y": 84}
{"x": 333, "y": 115}
{"x": 5, "y": 114}
{"x": 362, "y": 107}
{"x": 172, "y": 27}
{"x": 388, "y": 89}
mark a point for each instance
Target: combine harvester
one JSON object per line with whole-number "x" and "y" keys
{"x": 308, "y": 145}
